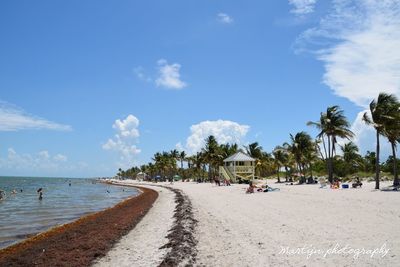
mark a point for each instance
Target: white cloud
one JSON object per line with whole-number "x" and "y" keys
{"x": 169, "y": 75}
{"x": 13, "y": 118}
{"x": 223, "y": 130}
{"x": 358, "y": 42}
{"x": 33, "y": 163}
{"x": 302, "y": 7}
{"x": 124, "y": 141}
{"x": 224, "y": 18}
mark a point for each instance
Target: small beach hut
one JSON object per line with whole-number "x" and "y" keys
{"x": 239, "y": 166}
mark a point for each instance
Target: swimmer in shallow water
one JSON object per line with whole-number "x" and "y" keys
{"x": 40, "y": 192}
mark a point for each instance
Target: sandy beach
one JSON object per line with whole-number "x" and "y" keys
{"x": 300, "y": 225}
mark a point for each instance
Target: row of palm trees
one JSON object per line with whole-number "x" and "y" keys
{"x": 301, "y": 155}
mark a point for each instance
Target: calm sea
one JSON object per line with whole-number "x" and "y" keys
{"x": 22, "y": 214}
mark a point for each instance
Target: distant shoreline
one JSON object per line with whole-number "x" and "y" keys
{"x": 83, "y": 240}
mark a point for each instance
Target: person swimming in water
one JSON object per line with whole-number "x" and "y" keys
{"x": 40, "y": 192}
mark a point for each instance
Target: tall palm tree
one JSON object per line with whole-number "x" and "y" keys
{"x": 212, "y": 155}
{"x": 332, "y": 125}
{"x": 392, "y": 133}
{"x": 380, "y": 116}
{"x": 280, "y": 158}
{"x": 182, "y": 158}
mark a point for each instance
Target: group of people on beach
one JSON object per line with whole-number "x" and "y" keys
{"x": 262, "y": 188}
{"x": 336, "y": 183}
{"x": 225, "y": 182}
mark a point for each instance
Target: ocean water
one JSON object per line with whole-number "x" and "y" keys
{"x": 22, "y": 214}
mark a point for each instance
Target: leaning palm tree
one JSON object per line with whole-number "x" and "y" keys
{"x": 392, "y": 133}
{"x": 332, "y": 125}
{"x": 380, "y": 110}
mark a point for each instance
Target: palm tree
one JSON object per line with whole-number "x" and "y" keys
{"x": 280, "y": 158}
{"x": 265, "y": 165}
{"x": 182, "y": 158}
{"x": 392, "y": 133}
{"x": 332, "y": 125}
{"x": 254, "y": 150}
{"x": 301, "y": 145}
{"x": 351, "y": 157}
{"x": 380, "y": 110}
{"x": 212, "y": 155}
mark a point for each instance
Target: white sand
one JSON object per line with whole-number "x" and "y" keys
{"x": 141, "y": 246}
{"x": 238, "y": 229}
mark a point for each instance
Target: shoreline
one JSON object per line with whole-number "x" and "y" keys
{"x": 165, "y": 237}
{"x": 81, "y": 241}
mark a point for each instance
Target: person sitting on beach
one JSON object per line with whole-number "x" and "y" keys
{"x": 250, "y": 189}
{"x": 227, "y": 182}
{"x": 335, "y": 184}
{"x": 357, "y": 183}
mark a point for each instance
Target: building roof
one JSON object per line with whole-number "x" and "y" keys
{"x": 239, "y": 156}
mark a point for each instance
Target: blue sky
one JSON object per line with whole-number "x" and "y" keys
{"x": 90, "y": 86}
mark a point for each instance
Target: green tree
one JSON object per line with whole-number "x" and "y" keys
{"x": 352, "y": 159}
{"x": 280, "y": 159}
{"x": 301, "y": 145}
{"x": 212, "y": 155}
{"x": 332, "y": 125}
{"x": 380, "y": 115}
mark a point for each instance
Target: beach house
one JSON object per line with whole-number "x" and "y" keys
{"x": 239, "y": 166}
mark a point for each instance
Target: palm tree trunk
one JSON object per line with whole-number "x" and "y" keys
{"x": 279, "y": 179}
{"x": 396, "y": 178}
{"x": 209, "y": 172}
{"x": 330, "y": 172}
{"x": 377, "y": 167}
{"x": 286, "y": 173}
